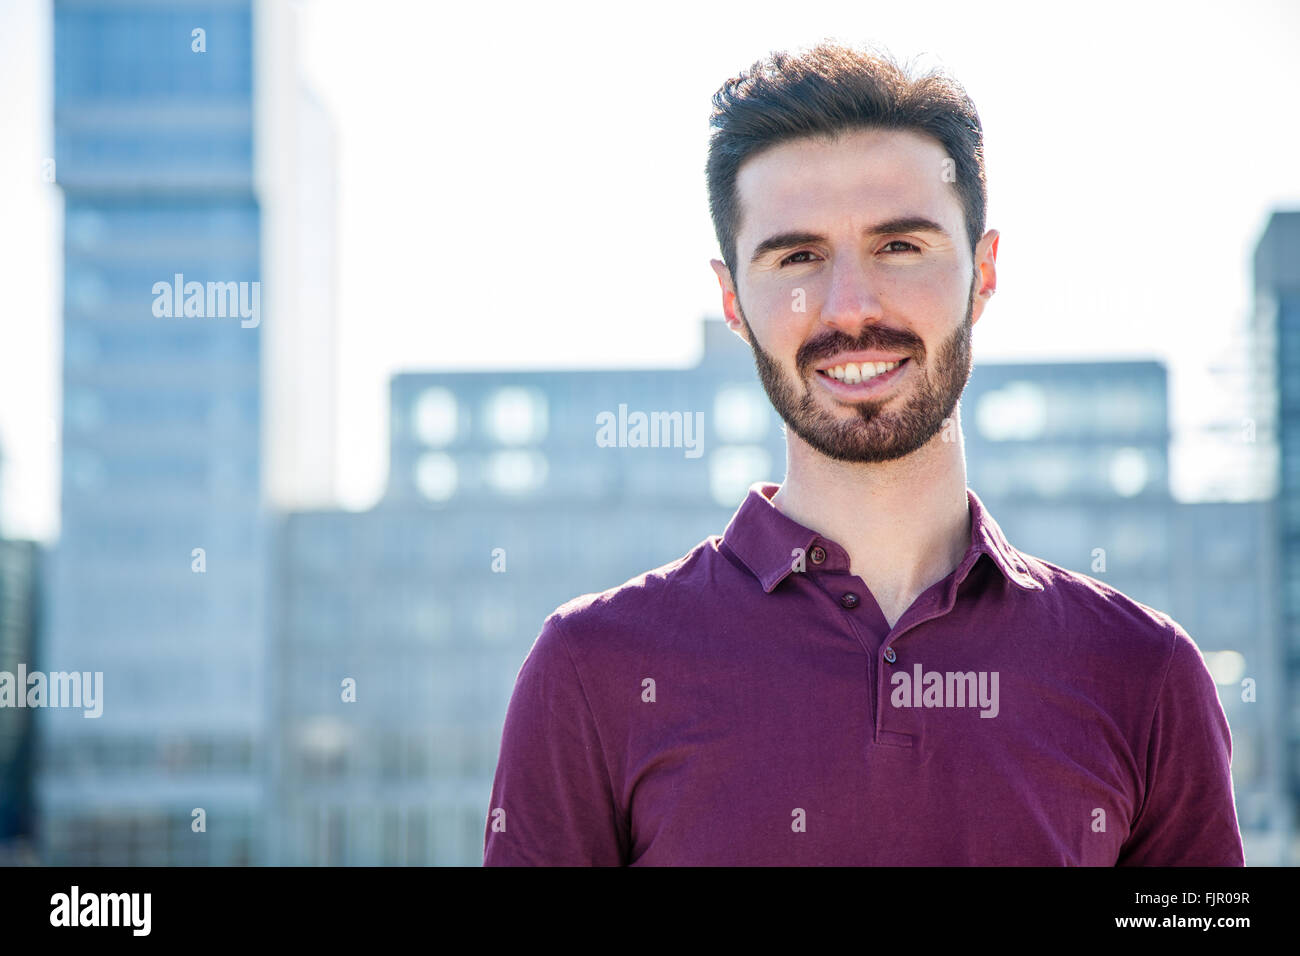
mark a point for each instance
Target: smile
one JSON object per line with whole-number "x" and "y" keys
{"x": 861, "y": 378}
{"x": 852, "y": 373}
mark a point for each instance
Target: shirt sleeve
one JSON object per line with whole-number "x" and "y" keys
{"x": 1188, "y": 816}
{"x": 552, "y": 801}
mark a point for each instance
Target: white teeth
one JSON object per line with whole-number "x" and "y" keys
{"x": 852, "y": 373}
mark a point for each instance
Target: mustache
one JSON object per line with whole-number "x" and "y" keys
{"x": 884, "y": 340}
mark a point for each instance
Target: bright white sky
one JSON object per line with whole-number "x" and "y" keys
{"x": 521, "y": 185}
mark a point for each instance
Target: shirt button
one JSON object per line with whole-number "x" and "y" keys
{"x": 818, "y": 555}
{"x": 849, "y": 599}
{"x": 890, "y": 656}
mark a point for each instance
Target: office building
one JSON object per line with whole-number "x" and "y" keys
{"x": 189, "y": 411}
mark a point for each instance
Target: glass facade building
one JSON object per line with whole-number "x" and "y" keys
{"x": 1277, "y": 317}
{"x": 157, "y": 581}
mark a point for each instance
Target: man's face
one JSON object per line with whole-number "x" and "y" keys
{"x": 851, "y": 254}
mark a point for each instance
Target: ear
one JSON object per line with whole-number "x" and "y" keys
{"x": 985, "y": 280}
{"x": 730, "y": 304}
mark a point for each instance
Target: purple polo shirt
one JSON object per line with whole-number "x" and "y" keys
{"x": 749, "y": 705}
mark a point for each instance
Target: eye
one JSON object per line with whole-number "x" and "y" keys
{"x": 900, "y": 242}
{"x": 790, "y": 257}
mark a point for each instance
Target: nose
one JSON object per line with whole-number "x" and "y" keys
{"x": 852, "y": 299}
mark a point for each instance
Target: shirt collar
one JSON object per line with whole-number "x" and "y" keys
{"x": 770, "y": 544}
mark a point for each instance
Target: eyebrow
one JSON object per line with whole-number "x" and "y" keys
{"x": 788, "y": 240}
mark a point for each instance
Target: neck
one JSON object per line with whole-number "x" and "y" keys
{"x": 905, "y": 523}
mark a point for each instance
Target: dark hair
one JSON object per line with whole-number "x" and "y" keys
{"x": 826, "y": 90}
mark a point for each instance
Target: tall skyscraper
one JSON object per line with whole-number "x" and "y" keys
{"x": 177, "y": 132}
{"x": 1277, "y": 315}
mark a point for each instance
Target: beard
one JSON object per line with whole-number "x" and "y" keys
{"x": 870, "y": 433}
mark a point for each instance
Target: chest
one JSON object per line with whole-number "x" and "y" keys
{"x": 840, "y": 763}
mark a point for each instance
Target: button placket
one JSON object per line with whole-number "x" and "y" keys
{"x": 849, "y": 600}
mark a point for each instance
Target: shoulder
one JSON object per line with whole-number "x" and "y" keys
{"x": 648, "y": 593}
{"x": 1081, "y": 604}
{"x": 651, "y": 602}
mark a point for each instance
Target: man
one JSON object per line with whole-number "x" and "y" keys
{"x": 861, "y": 670}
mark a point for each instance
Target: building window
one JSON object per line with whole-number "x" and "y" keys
{"x": 733, "y": 468}
{"x": 516, "y": 472}
{"x": 436, "y": 476}
{"x": 86, "y": 290}
{"x": 85, "y": 228}
{"x": 1048, "y": 475}
{"x": 80, "y": 346}
{"x": 517, "y": 416}
{"x": 429, "y": 619}
{"x": 1227, "y": 667}
{"x": 84, "y": 469}
{"x": 495, "y": 622}
{"x": 1125, "y": 410}
{"x": 1015, "y": 412}
{"x": 83, "y": 409}
{"x": 322, "y": 748}
{"x": 435, "y": 417}
{"x": 1129, "y": 472}
{"x": 741, "y": 413}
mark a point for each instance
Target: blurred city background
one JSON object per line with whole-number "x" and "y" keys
{"x": 225, "y": 518}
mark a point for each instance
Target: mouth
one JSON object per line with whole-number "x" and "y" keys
{"x": 862, "y": 379}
